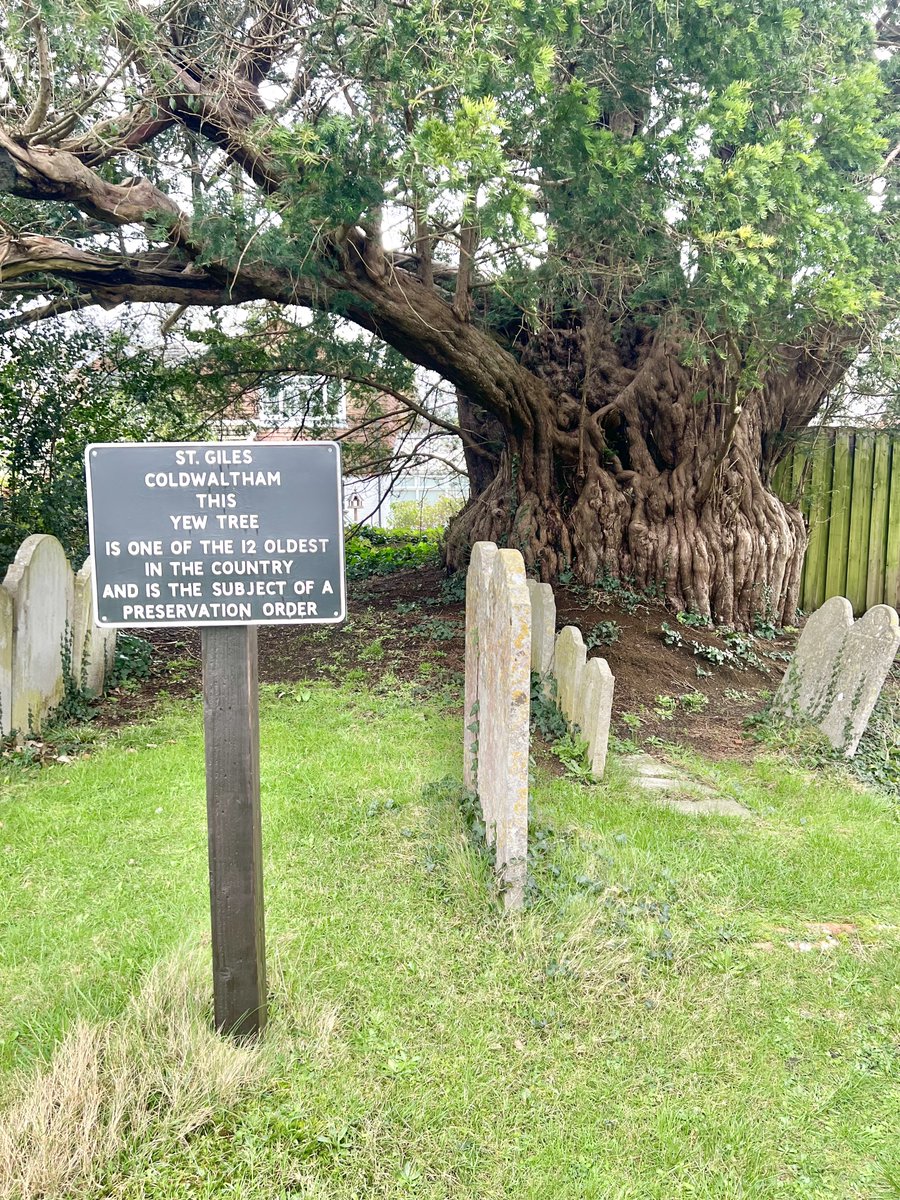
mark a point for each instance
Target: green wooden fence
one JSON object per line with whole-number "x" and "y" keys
{"x": 847, "y": 483}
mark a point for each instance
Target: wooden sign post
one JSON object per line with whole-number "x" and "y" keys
{"x": 234, "y": 819}
{"x": 224, "y": 537}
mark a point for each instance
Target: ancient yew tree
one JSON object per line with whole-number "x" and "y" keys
{"x": 641, "y": 241}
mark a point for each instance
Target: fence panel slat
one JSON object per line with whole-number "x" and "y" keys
{"x": 813, "y": 594}
{"x": 892, "y": 565}
{"x": 881, "y": 494}
{"x": 839, "y": 528}
{"x": 860, "y": 519}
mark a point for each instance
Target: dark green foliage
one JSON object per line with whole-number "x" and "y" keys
{"x": 453, "y": 588}
{"x": 61, "y": 388}
{"x": 76, "y": 705}
{"x": 604, "y": 633}
{"x": 133, "y": 661}
{"x": 670, "y": 635}
{"x": 545, "y": 714}
{"x": 377, "y": 553}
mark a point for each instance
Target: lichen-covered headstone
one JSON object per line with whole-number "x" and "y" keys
{"x": 569, "y": 660}
{"x": 595, "y": 711}
{"x": 838, "y": 669}
{"x": 6, "y": 660}
{"x": 92, "y": 646}
{"x": 807, "y": 681}
{"x": 543, "y": 626}
{"x": 478, "y": 576}
{"x": 864, "y": 660}
{"x": 504, "y": 694}
{"x": 41, "y": 585}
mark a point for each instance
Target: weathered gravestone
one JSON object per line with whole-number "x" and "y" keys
{"x": 598, "y": 683}
{"x": 584, "y": 689}
{"x": 543, "y": 626}
{"x": 807, "y": 680}
{"x": 93, "y": 647}
{"x": 6, "y": 661}
{"x": 498, "y": 691}
{"x": 481, "y": 564}
{"x": 838, "y": 669}
{"x": 569, "y": 661}
{"x": 40, "y": 584}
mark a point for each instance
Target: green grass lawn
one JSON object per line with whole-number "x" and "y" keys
{"x": 649, "y": 1028}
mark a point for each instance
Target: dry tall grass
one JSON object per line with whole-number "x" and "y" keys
{"x": 148, "y": 1077}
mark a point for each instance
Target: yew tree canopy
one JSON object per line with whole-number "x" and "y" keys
{"x": 452, "y": 175}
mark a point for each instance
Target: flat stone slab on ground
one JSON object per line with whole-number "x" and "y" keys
{"x": 670, "y": 786}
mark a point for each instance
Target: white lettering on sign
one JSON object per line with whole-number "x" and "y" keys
{"x": 209, "y": 479}
{"x": 295, "y": 545}
{"x": 290, "y": 608}
{"x": 188, "y": 521}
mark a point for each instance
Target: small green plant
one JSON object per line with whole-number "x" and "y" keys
{"x": 693, "y": 620}
{"x": 713, "y": 654}
{"x": 632, "y": 720}
{"x": 764, "y": 627}
{"x": 665, "y": 707}
{"x": 453, "y": 588}
{"x": 694, "y": 702}
{"x": 375, "y": 553}
{"x": 741, "y": 646}
{"x": 439, "y": 630}
{"x": 76, "y": 704}
{"x": 571, "y": 750}
{"x": 133, "y": 662}
{"x": 604, "y": 633}
{"x": 180, "y": 670}
{"x": 545, "y": 714}
{"x": 373, "y": 652}
{"x": 403, "y": 607}
{"x": 671, "y": 636}
{"x": 621, "y": 593}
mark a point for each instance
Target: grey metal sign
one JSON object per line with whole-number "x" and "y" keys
{"x": 193, "y": 533}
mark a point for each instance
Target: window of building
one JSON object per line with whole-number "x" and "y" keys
{"x": 305, "y": 402}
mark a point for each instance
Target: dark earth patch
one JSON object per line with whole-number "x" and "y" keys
{"x": 406, "y": 628}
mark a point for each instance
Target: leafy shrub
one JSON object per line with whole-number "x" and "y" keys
{"x": 368, "y": 555}
{"x": 693, "y": 620}
{"x": 604, "y": 633}
{"x": 133, "y": 661}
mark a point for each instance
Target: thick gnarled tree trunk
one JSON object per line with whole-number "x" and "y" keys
{"x": 650, "y": 472}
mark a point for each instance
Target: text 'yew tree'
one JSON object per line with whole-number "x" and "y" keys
{"x": 642, "y": 241}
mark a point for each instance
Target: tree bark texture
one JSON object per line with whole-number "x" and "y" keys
{"x": 647, "y": 470}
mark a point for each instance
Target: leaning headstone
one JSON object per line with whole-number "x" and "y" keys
{"x": 504, "y": 694}
{"x": 478, "y": 577}
{"x": 806, "y": 686}
{"x": 595, "y": 711}
{"x": 92, "y": 646}
{"x": 569, "y": 658}
{"x": 838, "y": 669}
{"x": 864, "y": 660}
{"x": 543, "y": 626}
{"x": 6, "y": 660}
{"x": 41, "y": 586}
